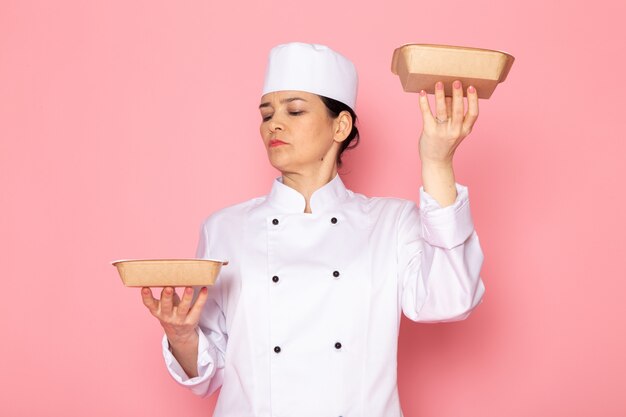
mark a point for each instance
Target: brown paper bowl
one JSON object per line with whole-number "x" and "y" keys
{"x": 168, "y": 272}
{"x": 420, "y": 66}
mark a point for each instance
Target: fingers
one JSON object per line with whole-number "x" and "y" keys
{"x": 185, "y": 302}
{"x": 167, "y": 302}
{"x": 451, "y": 109}
{"x": 457, "y": 103}
{"x": 196, "y": 309}
{"x": 172, "y": 305}
{"x": 149, "y": 301}
{"x": 472, "y": 110}
{"x": 440, "y": 102}
{"x": 427, "y": 115}
{"x": 175, "y": 299}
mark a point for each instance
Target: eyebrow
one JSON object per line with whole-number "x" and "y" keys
{"x": 285, "y": 100}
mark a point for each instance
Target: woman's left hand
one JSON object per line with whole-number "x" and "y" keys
{"x": 443, "y": 132}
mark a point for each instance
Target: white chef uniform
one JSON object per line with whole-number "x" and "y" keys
{"x": 304, "y": 320}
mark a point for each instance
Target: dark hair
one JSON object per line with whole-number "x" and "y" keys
{"x": 335, "y": 107}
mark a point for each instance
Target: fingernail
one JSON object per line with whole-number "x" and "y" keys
{"x": 204, "y": 290}
{"x": 422, "y": 93}
{"x": 457, "y": 84}
{"x": 439, "y": 85}
{"x": 145, "y": 290}
{"x": 471, "y": 89}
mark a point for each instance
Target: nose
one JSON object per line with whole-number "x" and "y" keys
{"x": 275, "y": 125}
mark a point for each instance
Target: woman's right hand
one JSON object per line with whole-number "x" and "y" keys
{"x": 178, "y": 317}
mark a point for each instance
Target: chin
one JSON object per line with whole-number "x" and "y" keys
{"x": 280, "y": 163}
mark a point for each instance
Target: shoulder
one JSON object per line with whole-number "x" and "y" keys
{"x": 232, "y": 215}
{"x": 383, "y": 205}
{"x": 387, "y": 213}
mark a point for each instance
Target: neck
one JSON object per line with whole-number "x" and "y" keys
{"x": 307, "y": 183}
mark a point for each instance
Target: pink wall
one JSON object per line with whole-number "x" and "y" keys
{"x": 124, "y": 123}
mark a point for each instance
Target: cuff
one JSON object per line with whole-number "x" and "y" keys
{"x": 449, "y": 226}
{"x": 206, "y": 362}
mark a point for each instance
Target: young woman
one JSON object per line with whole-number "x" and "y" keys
{"x": 304, "y": 320}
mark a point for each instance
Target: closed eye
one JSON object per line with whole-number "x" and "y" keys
{"x": 291, "y": 113}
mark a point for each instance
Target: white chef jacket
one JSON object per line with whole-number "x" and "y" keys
{"x": 304, "y": 320}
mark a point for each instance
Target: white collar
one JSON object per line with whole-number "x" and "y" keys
{"x": 324, "y": 198}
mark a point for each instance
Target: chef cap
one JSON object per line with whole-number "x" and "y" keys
{"x": 312, "y": 68}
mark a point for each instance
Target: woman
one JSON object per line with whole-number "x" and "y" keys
{"x": 304, "y": 320}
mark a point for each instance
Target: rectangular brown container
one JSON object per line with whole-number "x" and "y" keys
{"x": 168, "y": 272}
{"x": 420, "y": 66}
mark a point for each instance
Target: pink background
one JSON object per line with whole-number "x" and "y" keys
{"x": 123, "y": 124}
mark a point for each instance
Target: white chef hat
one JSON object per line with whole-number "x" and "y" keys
{"x": 312, "y": 68}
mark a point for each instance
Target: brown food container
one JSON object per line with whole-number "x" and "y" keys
{"x": 168, "y": 272}
{"x": 420, "y": 66}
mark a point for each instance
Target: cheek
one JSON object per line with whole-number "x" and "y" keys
{"x": 317, "y": 126}
{"x": 322, "y": 132}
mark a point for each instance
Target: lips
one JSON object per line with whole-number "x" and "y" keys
{"x": 276, "y": 142}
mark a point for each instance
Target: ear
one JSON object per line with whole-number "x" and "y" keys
{"x": 342, "y": 126}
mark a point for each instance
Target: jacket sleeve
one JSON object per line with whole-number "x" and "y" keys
{"x": 439, "y": 260}
{"x": 212, "y": 339}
